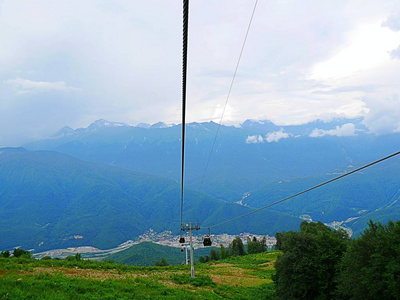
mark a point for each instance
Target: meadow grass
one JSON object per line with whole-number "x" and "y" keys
{"x": 246, "y": 277}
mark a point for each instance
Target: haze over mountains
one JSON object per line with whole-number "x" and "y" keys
{"x": 109, "y": 182}
{"x": 243, "y": 159}
{"x": 50, "y": 200}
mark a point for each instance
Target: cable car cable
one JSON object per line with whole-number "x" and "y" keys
{"x": 184, "y": 74}
{"x": 229, "y": 93}
{"x": 307, "y": 190}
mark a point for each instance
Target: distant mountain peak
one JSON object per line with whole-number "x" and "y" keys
{"x": 143, "y": 125}
{"x": 101, "y": 123}
{"x": 161, "y": 125}
{"x": 63, "y": 132}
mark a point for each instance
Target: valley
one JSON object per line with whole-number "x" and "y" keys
{"x": 108, "y": 183}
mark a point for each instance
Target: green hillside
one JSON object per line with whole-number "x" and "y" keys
{"x": 148, "y": 253}
{"x": 236, "y": 166}
{"x": 247, "y": 277}
{"x": 371, "y": 194}
{"x": 50, "y": 200}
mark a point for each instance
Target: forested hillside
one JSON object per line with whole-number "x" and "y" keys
{"x": 51, "y": 200}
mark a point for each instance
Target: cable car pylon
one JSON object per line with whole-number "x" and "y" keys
{"x": 190, "y": 227}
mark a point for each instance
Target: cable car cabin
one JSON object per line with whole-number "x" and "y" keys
{"x": 181, "y": 240}
{"x": 207, "y": 241}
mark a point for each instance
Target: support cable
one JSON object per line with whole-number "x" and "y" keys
{"x": 184, "y": 74}
{"x": 307, "y": 190}
{"x": 229, "y": 93}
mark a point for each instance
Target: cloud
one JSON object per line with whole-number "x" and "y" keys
{"x": 126, "y": 57}
{"x": 269, "y": 138}
{"x": 384, "y": 115}
{"x": 392, "y": 22}
{"x": 254, "y": 139}
{"x": 276, "y": 136}
{"x": 344, "y": 130}
{"x": 395, "y": 53}
{"x": 26, "y": 86}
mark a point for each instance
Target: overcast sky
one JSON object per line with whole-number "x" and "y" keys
{"x": 73, "y": 62}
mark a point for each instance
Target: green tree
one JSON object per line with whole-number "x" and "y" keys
{"x": 214, "y": 255}
{"x": 223, "y": 253}
{"x": 370, "y": 269}
{"x": 308, "y": 266}
{"x": 255, "y": 246}
{"x": 18, "y": 252}
{"x": 237, "y": 247}
{"x": 279, "y": 237}
{"x": 5, "y": 254}
{"x": 162, "y": 263}
{"x": 76, "y": 257}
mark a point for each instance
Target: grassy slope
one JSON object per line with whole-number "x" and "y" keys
{"x": 246, "y": 277}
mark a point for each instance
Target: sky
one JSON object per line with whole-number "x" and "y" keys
{"x": 69, "y": 63}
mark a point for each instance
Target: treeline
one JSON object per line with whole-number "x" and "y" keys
{"x": 21, "y": 253}
{"x": 236, "y": 248}
{"x": 320, "y": 263}
{"x": 17, "y": 252}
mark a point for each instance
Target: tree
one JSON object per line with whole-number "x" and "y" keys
{"x": 18, "y": 252}
{"x": 214, "y": 255}
{"x": 237, "y": 247}
{"x": 279, "y": 237}
{"x": 162, "y": 263}
{"x": 76, "y": 257}
{"x": 223, "y": 253}
{"x": 254, "y": 246}
{"x": 370, "y": 269}
{"x": 5, "y": 254}
{"x": 308, "y": 266}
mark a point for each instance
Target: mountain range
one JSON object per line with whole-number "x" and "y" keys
{"x": 51, "y": 200}
{"x": 237, "y": 161}
{"x": 110, "y": 182}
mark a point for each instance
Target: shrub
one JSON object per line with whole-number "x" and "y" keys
{"x": 5, "y": 254}
{"x": 18, "y": 252}
{"x": 162, "y": 263}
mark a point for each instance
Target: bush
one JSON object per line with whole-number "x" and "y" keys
{"x": 197, "y": 281}
{"x": 162, "y": 263}
{"x": 18, "y": 252}
{"x": 5, "y": 254}
{"x": 76, "y": 257}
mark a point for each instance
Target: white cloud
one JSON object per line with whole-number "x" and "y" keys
{"x": 269, "y": 138}
{"x": 395, "y": 53}
{"x": 384, "y": 115}
{"x": 254, "y": 139}
{"x": 344, "y": 130}
{"x": 26, "y": 86}
{"x": 393, "y": 22}
{"x": 368, "y": 47}
{"x": 126, "y": 56}
{"x": 276, "y": 136}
